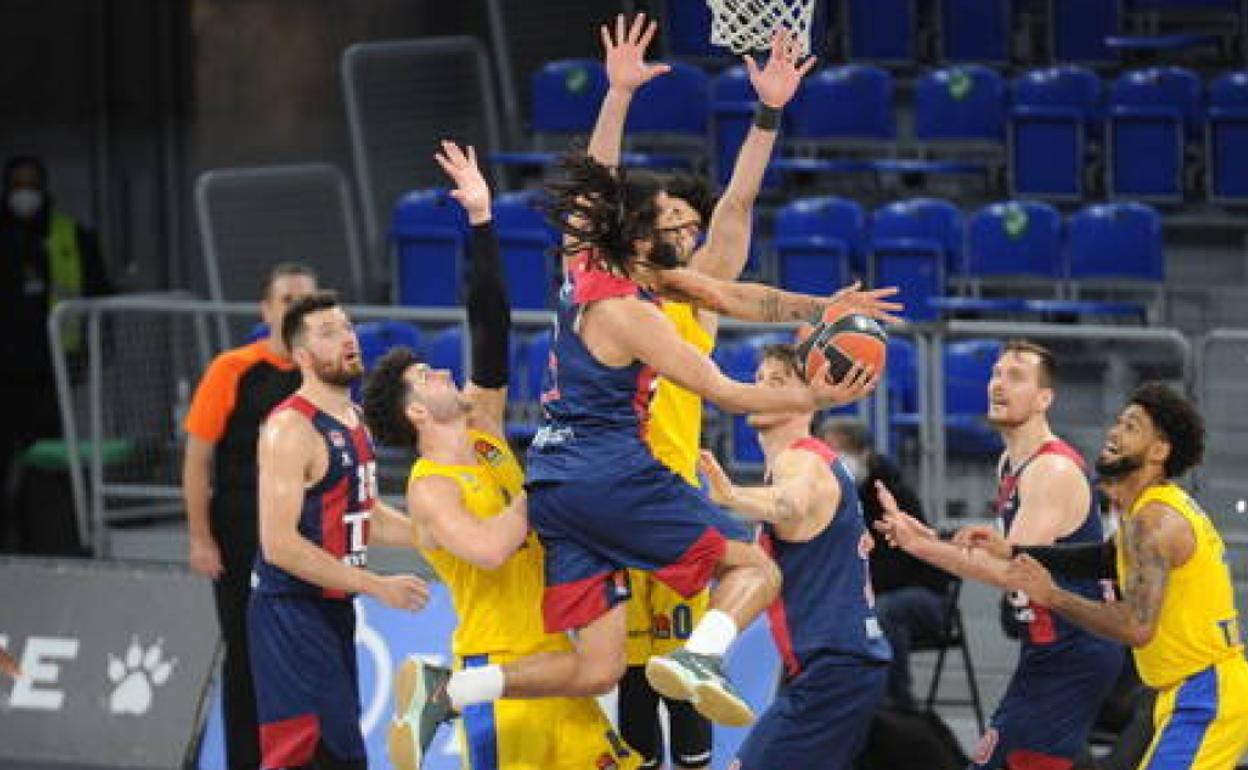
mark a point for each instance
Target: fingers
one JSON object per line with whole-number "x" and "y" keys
{"x": 887, "y": 501}
{"x": 604, "y": 34}
{"x": 807, "y": 66}
{"x": 651, "y": 29}
{"x": 751, "y": 67}
{"x": 635, "y": 32}
{"x": 619, "y": 29}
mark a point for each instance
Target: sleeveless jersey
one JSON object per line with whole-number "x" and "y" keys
{"x": 826, "y": 605}
{"x": 595, "y": 417}
{"x": 1041, "y": 628}
{"x": 1198, "y": 625}
{"x": 335, "y": 509}
{"x": 676, "y": 414}
{"x": 497, "y": 609}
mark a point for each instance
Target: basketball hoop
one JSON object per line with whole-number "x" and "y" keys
{"x": 749, "y": 25}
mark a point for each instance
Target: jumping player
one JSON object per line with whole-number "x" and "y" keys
{"x": 834, "y": 651}
{"x": 318, "y": 513}
{"x": 1044, "y": 497}
{"x": 467, "y": 506}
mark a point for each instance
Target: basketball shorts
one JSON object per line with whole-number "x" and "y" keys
{"x": 1202, "y": 722}
{"x": 595, "y": 529}
{"x": 820, "y": 718}
{"x": 307, "y": 689}
{"x": 659, "y": 619}
{"x": 540, "y": 733}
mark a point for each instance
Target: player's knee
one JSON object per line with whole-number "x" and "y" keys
{"x": 770, "y": 577}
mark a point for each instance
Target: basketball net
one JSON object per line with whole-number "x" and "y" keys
{"x": 749, "y": 25}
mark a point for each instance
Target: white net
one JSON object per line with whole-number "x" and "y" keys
{"x": 749, "y": 25}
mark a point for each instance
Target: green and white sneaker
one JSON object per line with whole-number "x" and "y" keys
{"x": 700, "y": 679}
{"x": 420, "y": 705}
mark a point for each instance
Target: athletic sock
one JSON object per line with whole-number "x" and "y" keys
{"x": 471, "y": 686}
{"x": 713, "y": 635}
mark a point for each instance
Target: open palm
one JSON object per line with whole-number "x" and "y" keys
{"x": 777, "y": 82}
{"x": 625, "y": 53}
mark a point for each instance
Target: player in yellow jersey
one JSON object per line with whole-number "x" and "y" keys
{"x": 659, "y": 619}
{"x": 1177, "y": 610}
{"x": 467, "y": 505}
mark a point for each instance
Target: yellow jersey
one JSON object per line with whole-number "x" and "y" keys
{"x": 1198, "y": 626}
{"x": 499, "y": 610}
{"x": 675, "y": 429}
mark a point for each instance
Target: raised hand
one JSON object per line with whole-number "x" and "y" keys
{"x": 777, "y": 82}
{"x": 857, "y": 383}
{"x": 720, "y": 485}
{"x": 985, "y": 538}
{"x": 625, "y": 53}
{"x": 871, "y": 302}
{"x": 471, "y": 190}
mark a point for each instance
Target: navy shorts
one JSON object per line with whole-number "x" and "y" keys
{"x": 820, "y": 718}
{"x": 307, "y": 688}
{"x": 594, "y": 529}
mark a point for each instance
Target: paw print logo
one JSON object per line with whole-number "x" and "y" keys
{"x": 136, "y": 677}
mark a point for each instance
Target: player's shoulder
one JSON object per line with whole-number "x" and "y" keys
{"x": 1055, "y": 467}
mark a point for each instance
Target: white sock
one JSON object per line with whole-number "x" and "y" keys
{"x": 713, "y": 634}
{"x": 471, "y": 686}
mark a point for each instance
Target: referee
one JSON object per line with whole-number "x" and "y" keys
{"x": 239, "y": 389}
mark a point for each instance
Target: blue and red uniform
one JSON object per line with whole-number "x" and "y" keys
{"x": 834, "y": 652}
{"x": 598, "y": 498}
{"x": 302, "y": 635}
{"x": 1063, "y": 671}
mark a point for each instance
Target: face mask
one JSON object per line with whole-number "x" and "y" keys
{"x": 856, "y": 466}
{"x": 25, "y": 202}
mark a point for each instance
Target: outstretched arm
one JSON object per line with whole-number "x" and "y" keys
{"x": 758, "y": 302}
{"x": 489, "y": 307}
{"x": 627, "y": 70}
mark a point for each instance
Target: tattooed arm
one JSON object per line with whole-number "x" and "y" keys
{"x": 744, "y": 301}
{"x": 1155, "y": 540}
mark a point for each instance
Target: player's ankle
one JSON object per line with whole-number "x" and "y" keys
{"x": 713, "y": 635}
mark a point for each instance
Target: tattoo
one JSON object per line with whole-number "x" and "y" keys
{"x": 1147, "y": 570}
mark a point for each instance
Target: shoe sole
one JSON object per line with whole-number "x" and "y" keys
{"x": 669, "y": 679}
{"x": 401, "y": 746}
{"x": 409, "y": 683}
{"x": 721, "y": 706}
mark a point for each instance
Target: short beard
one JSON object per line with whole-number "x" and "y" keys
{"x": 1117, "y": 470}
{"x": 338, "y": 376}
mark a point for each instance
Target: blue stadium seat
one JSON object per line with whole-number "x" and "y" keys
{"x": 850, "y": 102}
{"x": 446, "y": 351}
{"x": 881, "y": 30}
{"x": 526, "y": 241}
{"x": 976, "y": 30}
{"x": 430, "y": 232}
{"x": 1153, "y": 113}
{"x": 817, "y": 242}
{"x": 967, "y": 369}
{"x": 1078, "y": 29}
{"x": 686, "y": 31}
{"x": 913, "y": 244}
{"x": 1115, "y": 241}
{"x": 566, "y": 96}
{"x": 676, "y": 103}
{"x": 1014, "y": 239}
{"x": 960, "y": 103}
{"x": 1227, "y": 143}
{"x": 732, "y": 112}
{"x": 378, "y": 337}
{"x": 1055, "y": 110}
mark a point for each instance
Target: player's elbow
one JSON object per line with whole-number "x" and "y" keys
{"x": 1140, "y": 634}
{"x": 492, "y": 557}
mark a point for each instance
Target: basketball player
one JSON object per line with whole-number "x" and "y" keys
{"x": 598, "y": 499}
{"x": 467, "y": 507}
{"x": 318, "y": 512}
{"x": 834, "y": 651}
{"x": 659, "y": 619}
{"x": 1043, "y": 497}
{"x": 1178, "y": 603}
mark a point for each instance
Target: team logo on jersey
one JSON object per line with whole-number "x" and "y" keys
{"x": 662, "y": 626}
{"x": 337, "y": 439}
{"x": 490, "y": 453}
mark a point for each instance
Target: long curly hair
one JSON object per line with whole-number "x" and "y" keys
{"x": 1178, "y": 421}
{"x": 386, "y": 396}
{"x": 606, "y": 212}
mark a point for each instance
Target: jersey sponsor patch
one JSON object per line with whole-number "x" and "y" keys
{"x": 488, "y": 452}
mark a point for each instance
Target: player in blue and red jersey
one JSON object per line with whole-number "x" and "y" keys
{"x": 318, "y": 513}
{"x": 598, "y": 498}
{"x": 1044, "y": 497}
{"x": 824, "y": 624}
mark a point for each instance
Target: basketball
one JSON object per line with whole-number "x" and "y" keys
{"x": 841, "y": 338}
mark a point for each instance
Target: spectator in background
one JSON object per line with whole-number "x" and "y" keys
{"x": 45, "y": 257}
{"x": 909, "y": 593}
{"x": 219, "y": 485}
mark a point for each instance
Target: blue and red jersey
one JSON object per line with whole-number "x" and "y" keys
{"x": 826, "y": 606}
{"x": 595, "y": 416}
{"x": 336, "y": 509}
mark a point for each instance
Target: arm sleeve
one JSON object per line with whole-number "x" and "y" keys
{"x": 489, "y": 310}
{"x": 1082, "y": 560}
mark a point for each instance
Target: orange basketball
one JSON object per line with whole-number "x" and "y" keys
{"x": 839, "y": 339}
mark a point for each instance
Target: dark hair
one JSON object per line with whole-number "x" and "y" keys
{"x": 386, "y": 396}
{"x": 24, "y": 161}
{"x": 292, "y": 322}
{"x": 693, "y": 190}
{"x": 785, "y": 354}
{"x": 1178, "y": 422}
{"x": 854, "y": 432}
{"x": 605, "y": 212}
{"x": 1045, "y": 358}
{"x": 282, "y": 270}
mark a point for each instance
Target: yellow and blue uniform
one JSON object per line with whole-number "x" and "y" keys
{"x": 1195, "y": 659}
{"x": 500, "y": 621}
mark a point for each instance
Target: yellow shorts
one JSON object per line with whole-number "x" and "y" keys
{"x": 540, "y": 734}
{"x": 659, "y": 619}
{"x": 1202, "y": 722}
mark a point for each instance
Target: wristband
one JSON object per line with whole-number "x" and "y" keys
{"x": 767, "y": 118}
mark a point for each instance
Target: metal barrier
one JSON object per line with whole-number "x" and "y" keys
{"x": 1222, "y": 391}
